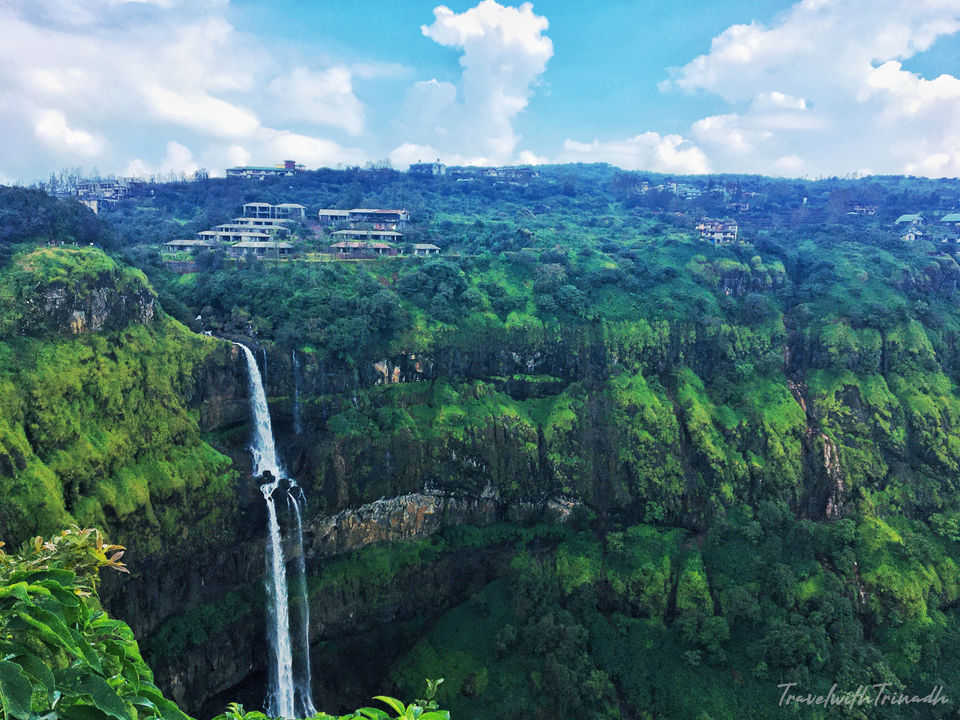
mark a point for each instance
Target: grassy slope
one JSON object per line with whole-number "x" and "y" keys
{"x": 95, "y": 429}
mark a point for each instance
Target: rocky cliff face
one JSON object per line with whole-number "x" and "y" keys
{"x": 96, "y": 310}
{"x": 98, "y": 305}
{"x": 418, "y": 515}
{"x": 232, "y": 655}
{"x": 156, "y": 592}
{"x": 222, "y": 394}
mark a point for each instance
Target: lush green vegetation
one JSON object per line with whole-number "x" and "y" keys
{"x": 64, "y": 657}
{"x": 96, "y": 428}
{"x": 762, "y": 439}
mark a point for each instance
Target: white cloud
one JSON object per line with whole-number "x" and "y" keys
{"x": 528, "y": 157}
{"x": 201, "y": 112}
{"x": 648, "y": 151}
{"x": 52, "y": 129}
{"x": 402, "y": 156}
{"x": 321, "y": 98}
{"x": 178, "y": 159}
{"x": 312, "y": 151}
{"x": 504, "y": 53}
{"x": 826, "y": 91}
{"x": 74, "y": 73}
{"x": 790, "y": 165}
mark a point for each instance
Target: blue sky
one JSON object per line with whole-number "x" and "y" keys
{"x": 817, "y": 87}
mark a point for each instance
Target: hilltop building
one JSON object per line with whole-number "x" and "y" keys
{"x": 283, "y": 211}
{"x": 289, "y": 167}
{"x": 381, "y": 235}
{"x": 328, "y": 216}
{"x": 357, "y": 250}
{"x": 271, "y": 230}
{"x": 265, "y": 223}
{"x": 718, "y": 232}
{"x": 191, "y": 245}
{"x": 97, "y": 194}
{"x": 424, "y": 249}
{"x": 952, "y": 219}
{"x": 234, "y": 236}
{"x": 914, "y": 219}
{"x": 260, "y": 248}
{"x": 513, "y": 173}
{"x": 367, "y": 218}
{"x": 434, "y": 168}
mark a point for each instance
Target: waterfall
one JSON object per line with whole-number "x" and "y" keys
{"x": 286, "y": 686}
{"x": 297, "y": 413}
{"x": 301, "y": 649}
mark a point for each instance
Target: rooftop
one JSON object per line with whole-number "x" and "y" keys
{"x": 366, "y": 233}
{"x": 194, "y": 243}
{"x": 261, "y": 244}
{"x": 242, "y": 233}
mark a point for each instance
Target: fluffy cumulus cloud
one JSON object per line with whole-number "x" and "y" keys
{"x": 824, "y": 91}
{"x": 178, "y": 161}
{"x": 322, "y": 97}
{"x": 51, "y": 129}
{"x": 504, "y": 51}
{"x": 648, "y": 151}
{"x": 100, "y": 82}
{"x": 821, "y": 90}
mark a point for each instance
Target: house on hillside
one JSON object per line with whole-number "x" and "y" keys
{"x": 290, "y": 211}
{"x": 359, "y": 250}
{"x": 951, "y": 219}
{"x": 264, "y": 223}
{"x": 424, "y": 249}
{"x": 261, "y": 249}
{"x": 272, "y": 230}
{"x": 434, "y": 168}
{"x": 234, "y": 236}
{"x": 379, "y": 219}
{"x": 368, "y": 235}
{"x": 718, "y": 232}
{"x": 266, "y": 211}
{"x": 329, "y": 216}
{"x": 913, "y": 219}
{"x": 289, "y": 167}
{"x": 258, "y": 210}
{"x": 98, "y": 194}
{"x": 191, "y": 245}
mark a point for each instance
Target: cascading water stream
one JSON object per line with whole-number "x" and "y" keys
{"x": 297, "y": 413}
{"x": 301, "y": 649}
{"x": 285, "y": 689}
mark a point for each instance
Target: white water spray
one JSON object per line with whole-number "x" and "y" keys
{"x": 284, "y": 690}
{"x": 301, "y": 654}
{"x": 297, "y": 412}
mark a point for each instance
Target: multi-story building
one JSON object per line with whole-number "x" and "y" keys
{"x": 379, "y": 219}
{"x": 289, "y": 167}
{"x": 260, "y": 248}
{"x": 434, "y": 168}
{"x": 283, "y": 211}
{"x": 329, "y": 216}
{"x": 718, "y": 232}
